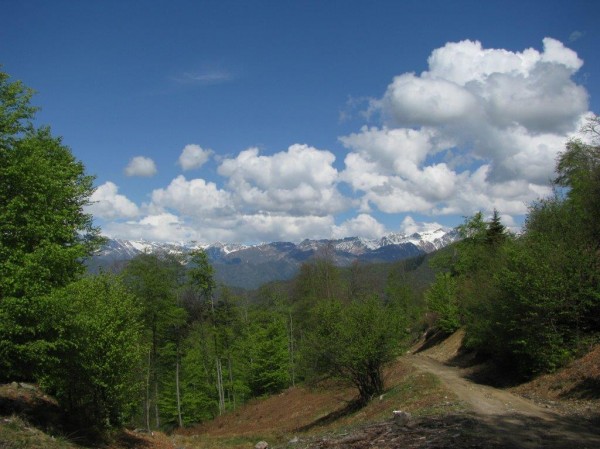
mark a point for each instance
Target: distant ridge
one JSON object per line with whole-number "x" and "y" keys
{"x": 250, "y": 266}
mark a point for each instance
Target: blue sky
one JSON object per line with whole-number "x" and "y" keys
{"x": 249, "y": 121}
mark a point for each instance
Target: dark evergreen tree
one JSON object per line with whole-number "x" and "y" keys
{"x": 496, "y": 232}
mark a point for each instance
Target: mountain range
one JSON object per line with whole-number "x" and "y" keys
{"x": 250, "y": 266}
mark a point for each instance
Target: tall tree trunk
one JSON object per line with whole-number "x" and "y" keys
{"x": 291, "y": 349}
{"x": 218, "y": 361}
{"x": 177, "y": 388}
{"x": 220, "y": 387}
{"x": 232, "y": 389}
{"x": 155, "y": 371}
{"x": 156, "y": 412}
{"x": 148, "y": 391}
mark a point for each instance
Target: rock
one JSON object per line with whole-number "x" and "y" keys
{"x": 261, "y": 445}
{"x": 294, "y": 440}
{"x": 351, "y": 439}
{"x": 402, "y": 419}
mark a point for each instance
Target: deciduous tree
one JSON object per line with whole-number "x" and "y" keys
{"x": 95, "y": 361}
{"x": 45, "y": 233}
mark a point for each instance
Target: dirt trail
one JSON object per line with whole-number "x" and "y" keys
{"x": 509, "y": 419}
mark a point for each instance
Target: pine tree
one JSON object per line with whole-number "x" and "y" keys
{"x": 496, "y": 232}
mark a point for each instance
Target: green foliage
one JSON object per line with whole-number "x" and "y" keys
{"x": 529, "y": 309}
{"x": 495, "y": 233}
{"x": 155, "y": 280}
{"x": 578, "y": 170}
{"x": 473, "y": 252}
{"x": 26, "y": 336}
{"x": 353, "y": 342}
{"x": 442, "y": 300}
{"x": 400, "y": 296}
{"x": 44, "y": 232}
{"x": 199, "y": 400}
{"x": 201, "y": 273}
{"x": 267, "y": 355}
{"x": 16, "y": 112}
{"x": 94, "y": 363}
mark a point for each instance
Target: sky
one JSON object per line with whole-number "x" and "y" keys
{"x": 260, "y": 121}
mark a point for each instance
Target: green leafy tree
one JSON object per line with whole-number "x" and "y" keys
{"x": 578, "y": 171}
{"x": 155, "y": 279}
{"x": 199, "y": 399}
{"x": 45, "y": 233}
{"x": 442, "y": 300}
{"x": 353, "y": 342}
{"x": 532, "y": 321}
{"x": 267, "y": 355}
{"x": 97, "y": 356}
{"x": 16, "y": 111}
{"x": 201, "y": 274}
{"x": 401, "y": 296}
{"x": 465, "y": 290}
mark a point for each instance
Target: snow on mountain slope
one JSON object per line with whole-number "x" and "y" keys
{"x": 425, "y": 241}
{"x": 250, "y": 265}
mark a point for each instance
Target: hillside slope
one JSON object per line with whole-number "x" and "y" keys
{"x": 29, "y": 419}
{"x": 448, "y": 411}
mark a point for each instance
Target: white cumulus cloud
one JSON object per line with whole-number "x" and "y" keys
{"x": 141, "y": 166}
{"x": 107, "y": 203}
{"x": 479, "y": 129}
{"x": 195, "y": 197}
{"x": 363, "y": 225}
{"x": 299, "y": 181}
{"x": 164, "y": 227}
{"x": 193, "y": 156}
{"x": 410, "y": 226}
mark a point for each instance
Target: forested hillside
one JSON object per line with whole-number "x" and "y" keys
{"x": 161, "y": 345}
{"x": 532, "y": 301}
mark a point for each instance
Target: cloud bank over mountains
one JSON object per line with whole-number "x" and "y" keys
{"x": 480, "y": 129}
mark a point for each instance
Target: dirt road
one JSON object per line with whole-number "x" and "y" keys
{"x": 509, "y": 420}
